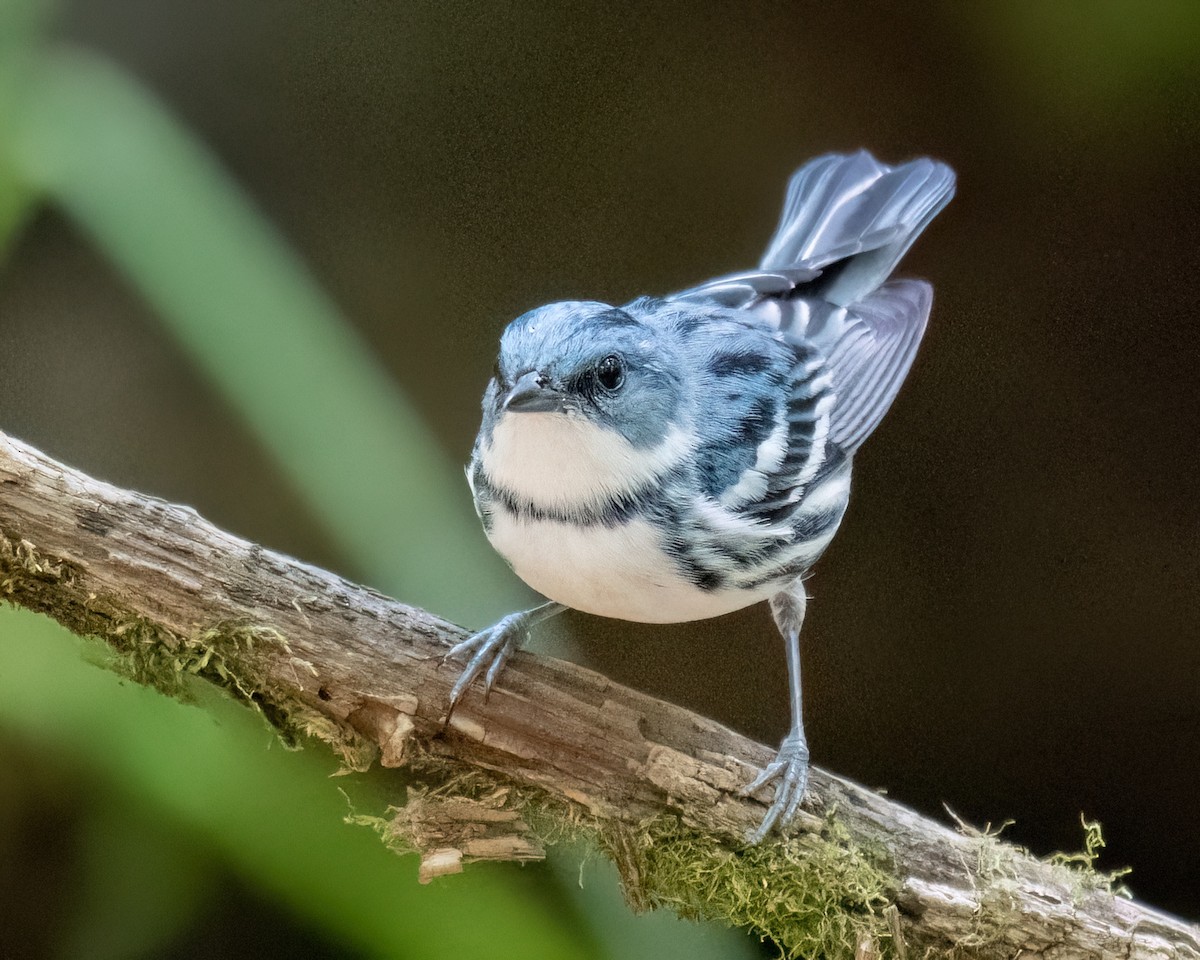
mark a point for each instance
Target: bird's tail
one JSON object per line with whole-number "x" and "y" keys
{"x": 853, "y": 218}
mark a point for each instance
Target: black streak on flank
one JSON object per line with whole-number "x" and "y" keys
{"x": 757, "y": 424}
{"x": 93, "y": 520}
{"x": 734, "y": 364}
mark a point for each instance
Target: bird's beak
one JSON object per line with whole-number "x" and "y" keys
{"x": 532, "y": 393}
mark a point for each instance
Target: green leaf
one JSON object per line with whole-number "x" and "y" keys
{"x": 143, "y": 885}
{"x": 21, "y": 25}
{"x": 271, "y": 813}
{"x": 252, "y": 318}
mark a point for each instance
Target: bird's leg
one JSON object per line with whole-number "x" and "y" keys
{"x": 489, "y": 649}
{"x": 790, "y": 766}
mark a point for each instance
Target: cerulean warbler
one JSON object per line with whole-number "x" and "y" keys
{"x": 682, "y": 457}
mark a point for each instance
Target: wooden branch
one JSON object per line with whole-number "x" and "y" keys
{"x": 556, "y": 744}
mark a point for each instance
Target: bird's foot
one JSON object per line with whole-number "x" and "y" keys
{"x": 489, "y": 650}
{"x": 790, "y": 768}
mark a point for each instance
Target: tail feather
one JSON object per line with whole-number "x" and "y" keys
{"x": 853, "y": 218}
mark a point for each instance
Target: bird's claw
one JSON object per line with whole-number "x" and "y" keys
{"x": 488, "y": 650}
{"x": 790, "y": 768}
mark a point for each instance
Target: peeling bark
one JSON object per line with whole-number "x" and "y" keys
{"x": 365, "y": 672}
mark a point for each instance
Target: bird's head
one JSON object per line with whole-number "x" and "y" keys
{"x": 588, "y": 363}
{"x": 586, "y": 406}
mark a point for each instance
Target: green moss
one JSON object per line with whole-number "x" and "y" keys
{"x": 22, "y": 565}
{"x": 814, "y": 895}
{"x": 818, "y": 895}
{"x": 999, "y": 861}
{"x": 222, "y": 655}
{"x": 233, "y": 656}
{"x": 999, "y": 873}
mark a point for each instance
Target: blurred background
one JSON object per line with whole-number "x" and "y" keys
{"x": 257, "y": 258}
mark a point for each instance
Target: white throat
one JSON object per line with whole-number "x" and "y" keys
{"x": 564, "y": 463}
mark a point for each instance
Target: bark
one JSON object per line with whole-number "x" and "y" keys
{"x": 555, "y": 744}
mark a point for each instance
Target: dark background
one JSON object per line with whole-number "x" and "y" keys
{"x": 1008, "y": 621}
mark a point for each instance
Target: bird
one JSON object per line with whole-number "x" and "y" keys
{"x": 682, "y": 457}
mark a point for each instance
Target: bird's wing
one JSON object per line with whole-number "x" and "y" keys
{"x": 804, "y": 411}
{"x": 767, "y": 405}
{"x": 740, "y": 289}
{"x": 876, "y": 341}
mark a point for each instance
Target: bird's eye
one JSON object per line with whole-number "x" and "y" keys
{"x": 498, "y": 373}
{"x": 610, "y": 373}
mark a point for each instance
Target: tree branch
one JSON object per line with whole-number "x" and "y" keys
{"x": 557, "y": 745}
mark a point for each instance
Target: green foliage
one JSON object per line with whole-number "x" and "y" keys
{"x": 1110, "y": 59}
{"x": 252, "y": 318}
{"x": 272, "y": 814}
{"x": 20, "y": 27}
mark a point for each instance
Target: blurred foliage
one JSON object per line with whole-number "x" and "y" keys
{"x": 1111, "y": 59}
{"x": 20, "y": 24}
{"x": 79, "y": 133}
{"x": 272, "y": 815}
{"x": 253, "y": 319}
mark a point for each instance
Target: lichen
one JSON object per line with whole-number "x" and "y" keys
{"x": 235, "y": 656}
{"x": 1081, "y": 865}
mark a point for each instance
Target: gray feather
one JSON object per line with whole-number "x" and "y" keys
{"x": 739, "y": 289}
{"x": 872, "y": 356}
{"x": 856, "y": 217}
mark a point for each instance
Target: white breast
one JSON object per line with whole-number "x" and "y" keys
{"x": 561, "y": 462}
{"x": 619, "y": 571}
{"x": 567, "y": 466}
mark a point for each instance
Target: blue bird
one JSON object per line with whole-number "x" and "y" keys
{"x": 682, "y": 457}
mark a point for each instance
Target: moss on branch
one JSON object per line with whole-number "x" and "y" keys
{"x": 559, "y": 753}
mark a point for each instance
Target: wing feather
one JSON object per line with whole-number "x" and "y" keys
{"x": 873, "y": 354}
